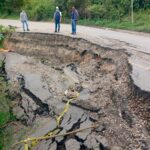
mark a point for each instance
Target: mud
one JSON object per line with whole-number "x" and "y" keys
{"x": 41, "y": 67}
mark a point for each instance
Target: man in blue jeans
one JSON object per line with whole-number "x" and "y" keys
{"x": 57, "y": 19}
{"x": 74, "y": 18}
{"x": 24, "y": 19}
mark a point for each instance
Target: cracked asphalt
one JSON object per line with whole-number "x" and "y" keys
{"x": 137, "y": 44}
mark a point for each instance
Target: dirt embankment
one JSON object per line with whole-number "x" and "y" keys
{"x": 44, "y": 66}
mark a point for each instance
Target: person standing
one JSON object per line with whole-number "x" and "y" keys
{"x": 24, "y": 19}
{"x": 74, "y": 18}
{"x": 57, "y": 19}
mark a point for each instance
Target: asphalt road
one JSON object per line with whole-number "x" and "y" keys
{"x": 135, "y": 43}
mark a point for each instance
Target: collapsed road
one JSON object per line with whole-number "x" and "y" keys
{"x": 135, "y": 43}
{"x": 41, "y": 67}
{"x": 111, "y": 74}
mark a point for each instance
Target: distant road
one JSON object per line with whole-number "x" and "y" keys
{"x": 136, "y": 43}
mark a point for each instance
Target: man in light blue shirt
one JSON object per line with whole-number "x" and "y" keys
{"x": 24, "y": 19}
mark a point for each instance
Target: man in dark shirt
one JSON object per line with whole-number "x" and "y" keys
{"x": 74, "y": 18}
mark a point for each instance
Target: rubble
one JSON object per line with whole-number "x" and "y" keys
{"x": 72, "y": 144}
{"x": 101, "y": 76}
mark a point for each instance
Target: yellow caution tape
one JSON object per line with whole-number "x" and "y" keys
{"x": 34, "y": 141}
{"x": 65, "y": 109}
{"x": 26, "y": 143}
{"x": 26, "y": 146}
{"x": 54, "y": 136}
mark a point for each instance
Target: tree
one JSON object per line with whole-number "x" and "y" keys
{"x": 11, "y": 6}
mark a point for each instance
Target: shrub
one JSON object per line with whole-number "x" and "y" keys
{"x": 40, "y": 10}
{"x": 4, "y": 32}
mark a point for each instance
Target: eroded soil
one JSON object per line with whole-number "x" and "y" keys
{"x": 42, "y": 67}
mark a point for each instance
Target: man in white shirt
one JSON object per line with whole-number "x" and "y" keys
{"x": 24, "y": 19}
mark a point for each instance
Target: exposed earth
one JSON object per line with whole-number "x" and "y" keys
{"x": 135, "y": 43}
{"x": 41, "y": 67}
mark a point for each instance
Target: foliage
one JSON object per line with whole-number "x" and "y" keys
{"x": 11, "y": 6}
{"x": 1, "y": 36}
{"x": 1, "y": 39}
{"x": 104, "y": 9}
{"x": 6, "y": 115}
{"x": 141, "y": 22}
{"x": 4, "y": 32}
{"x": 39, "y": 10}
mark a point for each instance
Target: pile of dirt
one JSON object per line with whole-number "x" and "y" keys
{"x": 43, "y": 66}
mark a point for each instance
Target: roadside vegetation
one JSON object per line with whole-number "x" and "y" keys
{"x": 6, "y": 115}
{"x": 1, "y": 40}
{"x": 4, "y": 32}
{"x": 105, "y": 13}
{"x": 141, "y": 22}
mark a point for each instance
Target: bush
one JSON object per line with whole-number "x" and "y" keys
{"x": 4, "y": 32}
{"x": 96, "y": 11}
{"x": 1, "y": 38}
{"x": 6, "y": 115}
{"x": 40, "y": 10}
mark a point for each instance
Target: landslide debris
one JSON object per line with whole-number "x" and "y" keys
{"x": 101, "y": 76}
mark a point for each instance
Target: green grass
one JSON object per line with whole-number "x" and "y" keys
{"x": 1, "y": 45}
{"x": 141, "y": 22}
{"x": 6, "y": 115}
{"x": 6, "y": 137}
{"x": 12, "y": 16}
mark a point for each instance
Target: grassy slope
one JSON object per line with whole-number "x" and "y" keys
{"x": 141, "y": 22}
{"x": 5, "y": 16}
{"x": 5, "y": 114}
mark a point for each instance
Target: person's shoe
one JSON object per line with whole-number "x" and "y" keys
{"x": 73, "y": 33}
{"x": 28, "y": 30}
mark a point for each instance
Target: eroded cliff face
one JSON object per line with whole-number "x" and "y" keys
{"x": 41, "y": 67}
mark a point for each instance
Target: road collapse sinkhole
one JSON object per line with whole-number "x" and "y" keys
{"x": 41, "y": 67}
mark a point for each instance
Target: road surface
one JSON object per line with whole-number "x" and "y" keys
{"x": 137, "y": 44}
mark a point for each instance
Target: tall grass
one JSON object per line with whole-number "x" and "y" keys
{"x": 141, "y": 22}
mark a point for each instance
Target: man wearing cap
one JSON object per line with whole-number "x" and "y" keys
{"x": 24, "y": 19}
{"x": 57, "y": 19}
